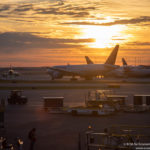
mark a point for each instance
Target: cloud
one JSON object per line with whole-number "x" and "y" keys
{"x": 130, "y": 21}
{"x": 118, "y": 39}
{"x": 4, "y": 16}
{"x": 14, "y": 42}
{"x": 139, "y": 43}
{"x": 58, "y": 11}
{"x": 23, "y": 8}
{"x": 80, "y": 23}
{"x": 117, "y": 22}
{"x": 12, "y": 10}
{"x": 4, "y": 8}
{"x": 80, "y": 8}
{"x": 59, "y": 8}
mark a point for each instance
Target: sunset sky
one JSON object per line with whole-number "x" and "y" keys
{"x": 57, "y": 32}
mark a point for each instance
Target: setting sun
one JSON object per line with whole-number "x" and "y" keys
{"x": 50, "y": 30}
{"x": 105, "y": 36}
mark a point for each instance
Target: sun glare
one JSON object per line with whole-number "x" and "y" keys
{"x": 105, "y": 36}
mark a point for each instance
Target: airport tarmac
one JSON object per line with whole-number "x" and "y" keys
{"x": 60, "y": 131}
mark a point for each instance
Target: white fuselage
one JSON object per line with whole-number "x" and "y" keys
{"x": 84, "y": 70}
{"x": 138, "y": 71}
{"x": 130, "y": 71}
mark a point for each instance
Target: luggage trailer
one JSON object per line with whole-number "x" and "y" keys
{"x": 120, "y": 137}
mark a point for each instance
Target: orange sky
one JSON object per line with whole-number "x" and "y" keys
{"x": 54, "y": 32}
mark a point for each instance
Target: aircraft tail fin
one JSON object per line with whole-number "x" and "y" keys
{"x": 88, "y": 60}
{"x": 112, "y": 57}
{"x": 124, "y": 62}
{"x": 10, "y": 67}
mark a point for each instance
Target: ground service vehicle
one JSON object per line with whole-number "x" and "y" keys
{"x": 17, "y": 98}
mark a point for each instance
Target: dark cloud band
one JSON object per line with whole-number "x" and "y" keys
{"x": 141, "y": 19}
{"x": 13, "y": 42}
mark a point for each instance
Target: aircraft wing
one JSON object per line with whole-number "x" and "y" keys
{"x": 64, "y": 71}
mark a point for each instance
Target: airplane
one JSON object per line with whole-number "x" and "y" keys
{"x": 87, "y": 71}
{"x": 127, "y": 71}
{"x": 139, "y": 66}
{"x": 11, "y": 73}
{"x": 136, "y": 71}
